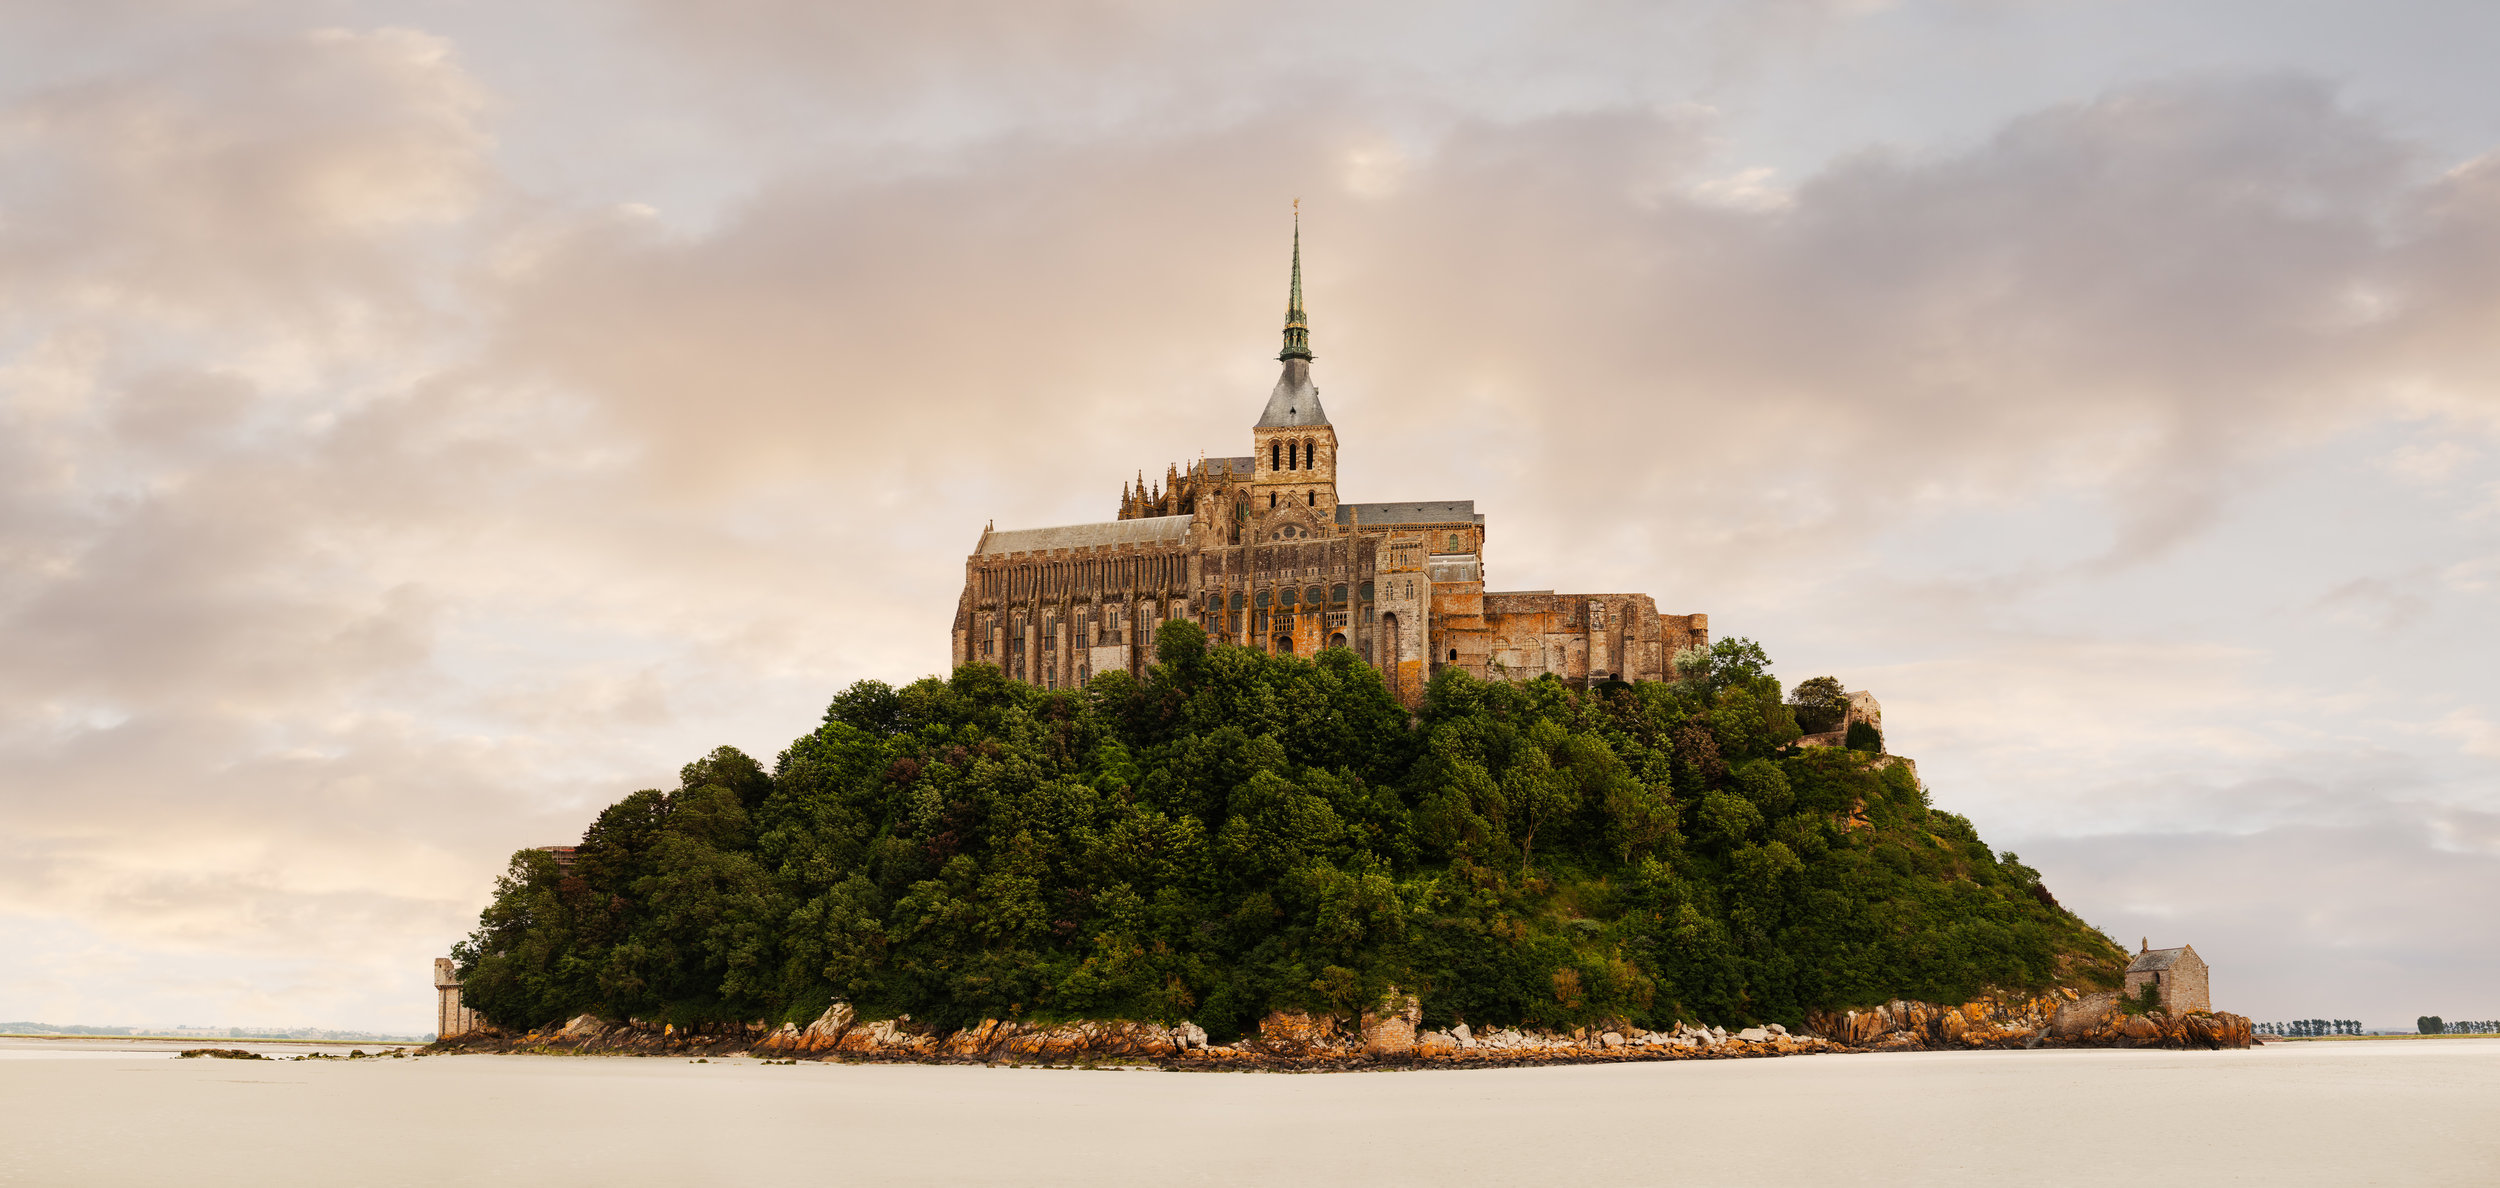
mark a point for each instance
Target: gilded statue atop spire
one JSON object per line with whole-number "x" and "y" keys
{"x": 1297, "y": 327}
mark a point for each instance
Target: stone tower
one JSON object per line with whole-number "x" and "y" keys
{"x": 450, "y": 1016}
{"x": 1294, "y": 449}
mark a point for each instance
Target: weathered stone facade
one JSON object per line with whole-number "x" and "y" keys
{"x": 2179, "y": 974}
{"x": 1259, "y": 551}
{"x": 451, "y": 1018}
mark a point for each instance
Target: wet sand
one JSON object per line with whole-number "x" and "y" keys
{"x": 2414, "y": 1113}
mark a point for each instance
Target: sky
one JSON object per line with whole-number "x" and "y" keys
{"x": 423, "y": 424}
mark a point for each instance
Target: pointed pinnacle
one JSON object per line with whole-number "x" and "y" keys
{"x": 1297, "y": 325}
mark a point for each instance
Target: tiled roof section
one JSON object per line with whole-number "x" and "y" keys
{"x": 1242, "y": 465}
{"x": 1447, "y": 511}
{"x": 1155, "y": 530}
{"x": 2153, "y": 959}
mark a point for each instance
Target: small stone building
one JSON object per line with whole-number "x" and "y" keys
{"x": 2178, "y": 976}
{"x": 451, "y": 1018}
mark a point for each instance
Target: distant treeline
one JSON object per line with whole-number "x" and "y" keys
{"x": 2434, "y": 1025}
{"x": 1236, "y": 832}
{"x": 2309, "y": 1028}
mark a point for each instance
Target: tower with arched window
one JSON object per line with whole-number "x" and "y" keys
{"x": 1293, "y": 452}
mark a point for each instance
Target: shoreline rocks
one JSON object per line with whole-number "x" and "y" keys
{"x": 2060, "y": 1018}
{"x": 1387, "y": 1038}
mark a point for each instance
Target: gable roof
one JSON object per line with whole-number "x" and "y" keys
{"x": 1152, "y": 530}
{"x": 2156, "y": 959}
{"x": 1447, "y": 511}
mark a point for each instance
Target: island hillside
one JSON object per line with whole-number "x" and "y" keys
{"x": 1237, "y": 832}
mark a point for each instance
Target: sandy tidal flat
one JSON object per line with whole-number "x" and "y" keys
{"x": 2412, "y": 1113}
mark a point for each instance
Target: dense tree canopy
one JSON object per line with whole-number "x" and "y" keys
{"x": 1238, "y": 832}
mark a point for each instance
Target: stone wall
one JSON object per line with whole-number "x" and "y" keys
{"x": 451, "y": 1018}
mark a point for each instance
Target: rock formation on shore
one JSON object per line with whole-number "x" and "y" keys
{"x": 1291, "y": 1040}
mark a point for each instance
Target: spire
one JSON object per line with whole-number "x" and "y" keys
{"x": 1297, "y": 327}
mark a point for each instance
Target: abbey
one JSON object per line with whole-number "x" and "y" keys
{"x": 1260, "y": 552}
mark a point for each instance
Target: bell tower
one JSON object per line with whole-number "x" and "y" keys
{"x": 1293, "y": 447}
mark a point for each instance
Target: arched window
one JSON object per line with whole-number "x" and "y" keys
{"x": 1453, "y": 655}
{"x": 1310, "y": 499}
{"x": 1336, "y": 594}
{"x": 1284, "y": 645}
{"x": 1261, "y": 600}
{"x": 1312, "y": 595}
{"x": 1285, "y": 597}
{"x": 1293, "y": 455}
{"x": 1275, "y": 456}
{"x": 1237, "y": 600}
{"x": 1310, "y": 455}
{"x": 1271, "y": 500}
{"x": 1366, "y": 592}
{"x": 1337, "y": 640}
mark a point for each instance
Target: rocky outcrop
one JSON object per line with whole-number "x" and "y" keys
{"x": 2061, "y": 1018}
{"x": 1461, "y": 1046}
{"x": 1390, "y": 1036}
{"x": 1389, "y": 1030}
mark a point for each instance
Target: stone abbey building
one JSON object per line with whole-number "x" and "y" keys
{"x": 1260, "y": 552}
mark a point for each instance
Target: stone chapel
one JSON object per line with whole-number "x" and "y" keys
{"x": 1259, "y": 550}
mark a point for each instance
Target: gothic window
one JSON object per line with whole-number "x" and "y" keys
{"x": 1313, "y": 596}
{"x": 1337, "y": 640}
{"x": 1275, "y": 456}
{"x": 1336, "y": 593}
{"x": 1261, "y": 600}
{"x": 1285, "y": 597}
{"x": 1271, "y": 500}
{"x": 1293, "y": 456}
{"x": 1310, "y": 499}
{"x": 1366, "y": 591}
{"x": 1284, "y": 645}
{"x": 1237, "y": 599}
{"x": 1454, "y": 545}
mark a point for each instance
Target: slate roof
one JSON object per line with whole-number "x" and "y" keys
{"x": 2155, "y": 959}
{"x": 1295, "y": 402}
{"x": 1447, "y": 511}
{"x": 1241, "y": 465}
{"x": 1153, "y": 530}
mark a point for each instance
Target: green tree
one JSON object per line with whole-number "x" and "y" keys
{"x": 1230, "y": 832}
{"x": 1820, "y": 704}
{"x": 1863, "y": 736}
